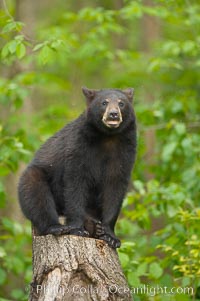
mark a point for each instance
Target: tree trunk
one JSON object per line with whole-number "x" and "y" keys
{"x": 150, "y": 27}
{"x": 72, "y": 268}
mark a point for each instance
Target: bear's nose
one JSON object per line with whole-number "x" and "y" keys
{"x": 114, "y": 115}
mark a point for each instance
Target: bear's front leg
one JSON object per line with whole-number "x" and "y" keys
{"x": 75, "y": 196}
{"x": 112, "y": 198}
{"x": 108, "y": 235}
{"x": 105, "y": 233}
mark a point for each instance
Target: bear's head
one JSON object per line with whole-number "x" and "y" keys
{"x": 110, "y": 110}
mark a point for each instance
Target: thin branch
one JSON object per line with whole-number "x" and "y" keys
{"x": 11, "y": 17}
{"x": 7, "y": 11}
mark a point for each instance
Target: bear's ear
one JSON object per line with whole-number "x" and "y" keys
{"x": 129, "y": 92}
{"x": 89, "y": 94}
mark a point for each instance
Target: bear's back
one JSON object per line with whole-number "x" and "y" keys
{"x": 62, "y": 144}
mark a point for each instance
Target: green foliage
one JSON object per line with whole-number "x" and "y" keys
{"x": 99, "y": 45}
{"x": 15, "y": 257}
{"x": 173, "y": 248}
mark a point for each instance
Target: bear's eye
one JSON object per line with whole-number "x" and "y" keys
{"x": 121, "y": 104}
{"x": 104, "y": 103}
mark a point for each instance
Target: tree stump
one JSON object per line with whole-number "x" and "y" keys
{"x": 72, "y": 268}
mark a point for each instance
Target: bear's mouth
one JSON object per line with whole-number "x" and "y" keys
{"x": 112, "y": 123}
{"x": 112, "y": 117}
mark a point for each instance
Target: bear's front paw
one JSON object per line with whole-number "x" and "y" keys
{"x": 111, "y": 240}
{"x": 99, "y": 229}
{"x": 58, "y": 230}
{"x": 79, "y": 232}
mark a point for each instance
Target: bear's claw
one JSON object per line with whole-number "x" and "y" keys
{"x": 58, "y": 230}
{"x": 113, "y": 242}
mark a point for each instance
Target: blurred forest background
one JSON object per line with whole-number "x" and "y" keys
{"x": 49, "y": 49}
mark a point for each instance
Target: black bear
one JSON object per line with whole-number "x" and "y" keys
{"x": 83, "y": 171}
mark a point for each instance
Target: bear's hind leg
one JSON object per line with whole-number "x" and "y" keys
{"x": 37, "y": 202}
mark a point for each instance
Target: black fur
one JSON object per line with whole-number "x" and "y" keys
{"x": 82, "y": 172}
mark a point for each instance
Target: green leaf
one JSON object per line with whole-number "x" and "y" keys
{"x": 139, "y": 186}
{"x": 19, "y": 38}
{"x": 17, "y": 294}
{"x": 133, "y": 279}
{"x": 134, "y": 9}
{"x": 180, "y": 128}
{"x": 171, "y": 48}
{"x": 45, "y": 55}
{"x": 21, "y": 50}
{"x": 141, "y": 269}
{"x": 2, "y": 252}
{"x": 186, "y": 281}
{"x": 4, "y": 170}
{"x": 12, "y": 46}
{"x": 16, "y": 264}
{"x": 168, "y": 150}
{"x": 12, "y": 26}
{"x": 171, "y": 210}
{"x": 38, "y": 46}
{"x": 12, "y": 226}
{"x": 3, "y": 276}
{"x": 124, "y": 259}
{"x": 189, "y": 46}
{"x": 155, "y": 270}
{"x": 9, "y": 27}
{"x": 154, "y": 65}
{"x": 5, "y": 51}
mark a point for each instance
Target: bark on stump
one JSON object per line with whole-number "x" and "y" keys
{"x": 72, "y": 268}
